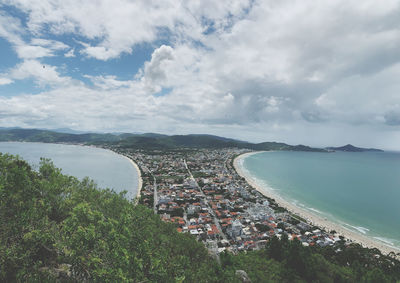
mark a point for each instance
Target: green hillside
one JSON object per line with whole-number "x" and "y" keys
{"x": 202, "y": 141}
{"x": 143, "y": 141}
{"x": 54, "y": 226}
{"x": 34, "y": 135}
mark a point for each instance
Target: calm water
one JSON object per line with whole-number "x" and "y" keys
{"x": 361, "y": 191}
{"x": 107, "y": 169}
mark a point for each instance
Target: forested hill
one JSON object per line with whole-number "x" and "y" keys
{"x": 352, "y": 148}
{"x": 34, "y": 135}
{"x": 56, "y": 228}
{"x": 53, "y": 226}
{"x": 143, "y": 141}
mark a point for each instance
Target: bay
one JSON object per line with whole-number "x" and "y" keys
{"x": 106, "y": 168}
{"x": 360, "y": 191}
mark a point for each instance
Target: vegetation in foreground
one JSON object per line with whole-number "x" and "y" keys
{"x": 55, "y": 227}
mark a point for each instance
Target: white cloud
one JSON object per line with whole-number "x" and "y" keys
{"x": 70, "y": 53}
{"x": 52, "y": 44}
{"x": 118, "y": 25}
{"x": 109, "y": 82}
{"x": 39, "y": 48}
{"x": 42, "y": 74}
{"x": 31, "y": 52}
{"x": 288, "y": 67}
{"x": 10, "y": 28}
{"x": 5, "y": 81}
{"x": 155, "y": 70}
{"x": 101, "y": 52}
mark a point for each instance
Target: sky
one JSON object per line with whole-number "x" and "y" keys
{"x": 321, "y": 73}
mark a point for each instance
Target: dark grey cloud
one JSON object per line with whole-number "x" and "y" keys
{"x": 392, "y": 118}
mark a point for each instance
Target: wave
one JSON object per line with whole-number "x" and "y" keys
{"x": 262, "y": 183}
{"x": 303, "y": 206}
{"x": 385, "y": 240}
{"x": 314, "y": 209}
{"x": 360, "y": 229}
{"x": 373, "y": 234}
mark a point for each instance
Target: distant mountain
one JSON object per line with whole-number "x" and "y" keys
{"x": 352, "y": 148}
{"x": 58, "y": 130}
{"x": 146, "y": 141}
{"x": 153, "y": 135}
{"x": 143, "y": 141}
{"x": 35, "y": 135}
{"x": 66, "y": 131}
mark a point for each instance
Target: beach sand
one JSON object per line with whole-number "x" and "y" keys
{"x": 140, "y": 184}
{"x": 312, "y": 218}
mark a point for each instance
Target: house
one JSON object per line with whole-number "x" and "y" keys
{"x": 236, "y": 229}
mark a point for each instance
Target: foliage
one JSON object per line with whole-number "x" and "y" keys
{"x": 49, "y": 221}
{"x": 289, "y": 261}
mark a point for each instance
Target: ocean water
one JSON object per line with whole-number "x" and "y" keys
{"x": 360, "y": 191}
{"x": 106, "y": 168}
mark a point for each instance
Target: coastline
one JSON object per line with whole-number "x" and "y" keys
{"x": 140, "y": 180}
{"x": 312, "y": 218}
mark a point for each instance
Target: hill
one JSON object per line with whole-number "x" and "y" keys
{"x": 55, "y": 227}
{"x": 352, "y": 148}
{"x": 203, "y": 141}
{"x": 143, "y": 141}
{"x": 35, "y": 135}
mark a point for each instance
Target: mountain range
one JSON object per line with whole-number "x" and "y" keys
{"x": 142, "y": 141}
{"x": 153, "y": 140}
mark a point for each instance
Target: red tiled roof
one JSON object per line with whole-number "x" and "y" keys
{"x": 214, "y": 228}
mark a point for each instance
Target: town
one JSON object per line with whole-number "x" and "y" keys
{"x": 201, "y": 193}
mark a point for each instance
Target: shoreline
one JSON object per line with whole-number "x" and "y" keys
{"x": 140, "y": 180}
{"x": 312, "y": 218}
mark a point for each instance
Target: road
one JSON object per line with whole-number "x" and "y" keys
{"x": 216, "y": 222}
{"x": 155, "y": 194}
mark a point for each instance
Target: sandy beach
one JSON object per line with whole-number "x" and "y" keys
{"x": 312, "y": 218}
{"x": 140, "y": 181}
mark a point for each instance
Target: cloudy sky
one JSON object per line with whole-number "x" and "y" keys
{"x": 312, "y": 72}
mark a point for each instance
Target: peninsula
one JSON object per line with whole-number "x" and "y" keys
{"x": 206, "y": 194}
{"x": 352, "y": 148}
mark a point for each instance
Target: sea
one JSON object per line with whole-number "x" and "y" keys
{"x": 106, "y": 168}
{"x": 358, "y": 190}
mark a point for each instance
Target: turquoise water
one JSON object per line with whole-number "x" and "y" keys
{"x": 107, "y": 169}
{"x": 361, "y": 191}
